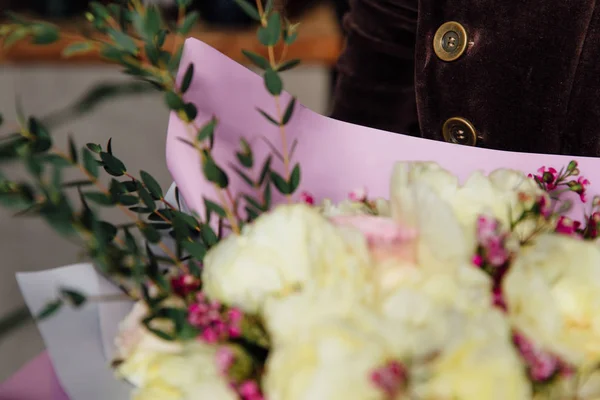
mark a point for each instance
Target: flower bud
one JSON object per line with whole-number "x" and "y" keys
{"x": 572, "y": 167}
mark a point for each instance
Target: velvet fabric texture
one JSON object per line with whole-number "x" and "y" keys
{"x": 529, "y": 79}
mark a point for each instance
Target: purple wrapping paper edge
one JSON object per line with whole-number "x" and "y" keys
{"x": 336, "y": 157}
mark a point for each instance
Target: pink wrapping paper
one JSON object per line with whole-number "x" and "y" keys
{"x": 335, "y": 157}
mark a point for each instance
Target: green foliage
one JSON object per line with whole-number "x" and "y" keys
{"x": 270, "y": 34}
{"x": 249, "y": 9}
{"x": 135, "y": 39}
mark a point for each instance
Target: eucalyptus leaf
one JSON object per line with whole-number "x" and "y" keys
{"x": 147, "y": 198}
{"x": 188, "y": 23}
{"x": 77, "y": 49}
{"x": 90, "y": 163}
{"x": 257, "y": 59}
{"x": 208, "y": 130}
{"x": 174, "y": 101}
{"x": 150, "y": 233}
{"x": 265, "y": 170}
{"x": 280, "y": 183}
{"x": 73, "y": 150}
{"x": 289, "y": 111}
{"x": 269, "y": 35}
{"x": 214, "y": 207}
{"x": 75, "y": 298}
{"x": 99, "y": 198}
{"x": 196, "y": 250}
{"x": 49, "y": 309}
{"x": 152, "y": 185}
{"x": 213, "y": 173}
{"x": 123, "y": 41}
{"x": 287, "y": 65}
{"x": 112, "y": 165}
{"x": 294, "y": 179}
{"x": 249, "y": 9}
{"x": 45, "y": 34}
{"x": 268, "y": 117}
{"x": 187, "y": 78}
{"x": 273, "y": 82}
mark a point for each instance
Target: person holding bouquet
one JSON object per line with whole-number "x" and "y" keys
{"x": 516, "y": 76}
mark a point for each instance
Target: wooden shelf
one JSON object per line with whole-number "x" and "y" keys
{"x": 319, "y": 42}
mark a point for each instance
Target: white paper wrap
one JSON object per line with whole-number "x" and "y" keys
{"x": 80, "y": 342}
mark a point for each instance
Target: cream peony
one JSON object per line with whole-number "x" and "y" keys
{"x": 133, "y": 337}
{"x": 285, "y": 317}
{"x": 478, "y": 362}
{"x": 190, "y": 374}
{"x": 552, "y": 292}
{"x": 499, "y": 195}
{"x": 284, "y": 250}
{"x": 346, "y": 207}
{"x": 425, "y": 309}
{"x": 331, "y": 360}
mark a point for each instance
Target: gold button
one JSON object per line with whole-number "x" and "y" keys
{"x": 460, "y": 131}
{"x": 450, "y": 41}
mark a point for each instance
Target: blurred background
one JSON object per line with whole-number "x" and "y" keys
{"x": 45, "y": 84}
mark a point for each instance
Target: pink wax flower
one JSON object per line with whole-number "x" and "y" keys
{"x": 582, "y": 191}
{"x": 390, "y": 378}
{"x": 185, "y": 284}
{"x": 307, "y": 198}
{"x": 215, "y": 324}
{"x": 385, "y": 237}
{"x": 567, "y": 226}
{"x": 491, "y": 241}
{"x": 359, "y": 195}
{"x": 477, "y": 260}
{"x": 544, "y": 207}
{"x": 249, "y": 390}
{"x": 547, "y": 176}
{"x": 498, "y": 298}
{"x": 541, "y": 364}
{"x": 225, "y": 358}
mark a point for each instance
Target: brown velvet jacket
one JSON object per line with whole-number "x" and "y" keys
{"x": 529, "y": 79}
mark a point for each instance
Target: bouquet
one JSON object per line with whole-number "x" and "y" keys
{"x": 254, "y": 279}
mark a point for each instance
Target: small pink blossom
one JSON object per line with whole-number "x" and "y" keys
{"x": 390, "y": 378}
{"x": 214, "y": 324}
{"x": 567, "y": 226}
{"x": 498, "y": 298}
{"x": 584, "y": 183}
{"x": 359, "y": 195}
{"x": 225, "y": 358}
{"x": 386, "y": 238}
{"x": 185, "y": 284}
{"x": 491, "y": 241}
{"x": 477, "y": 260}
{"x": 548, "y": 176}
{"x": 542, "y": 365}
{"x": 307, "y": 198}
{"x": 249, "y": 390}
{"x": 544, "y": 207}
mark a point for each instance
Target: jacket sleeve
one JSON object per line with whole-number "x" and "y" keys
{"x": 375, "y": 85}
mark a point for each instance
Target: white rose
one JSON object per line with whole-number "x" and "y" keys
{"x": 190, "y": 374}
{"x": 280, "y": 253}
{"x": 552, "y": 293}
{"x": 330, "y": 360}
